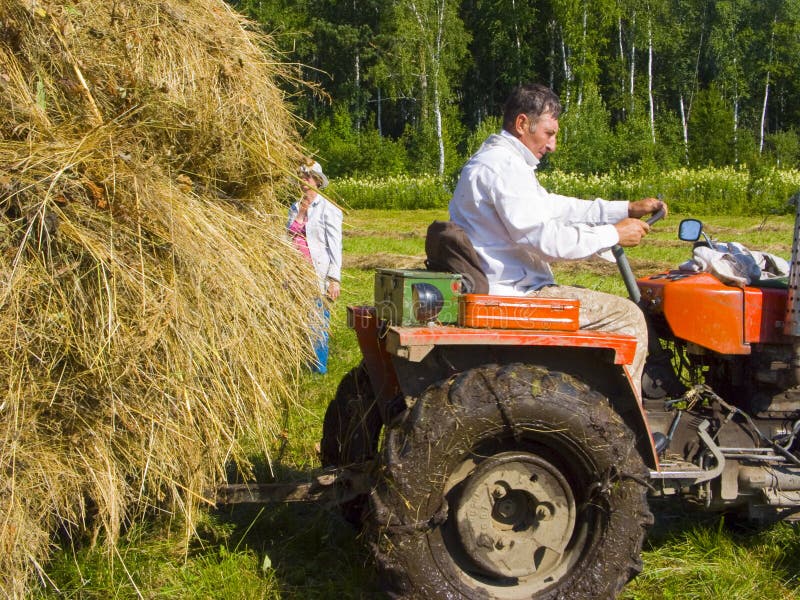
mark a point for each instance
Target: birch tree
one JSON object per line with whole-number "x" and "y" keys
{"x": 428, "y": 47}
{"x": 508, "y": 45}
{"x": 727, "y": 41}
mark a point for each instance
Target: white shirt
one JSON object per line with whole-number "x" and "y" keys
{"x": 518, "y": 227}
{"x": 324, "y": 238}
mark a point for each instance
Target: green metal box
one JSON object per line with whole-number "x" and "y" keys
{"x": 394, "y": 295}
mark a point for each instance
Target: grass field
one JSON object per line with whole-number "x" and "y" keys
{"x": 308, "y": 551}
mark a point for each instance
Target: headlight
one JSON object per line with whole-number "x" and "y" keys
{"x": 428, "y": 301}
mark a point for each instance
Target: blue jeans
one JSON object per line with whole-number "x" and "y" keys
{"x": 319, "y": 336}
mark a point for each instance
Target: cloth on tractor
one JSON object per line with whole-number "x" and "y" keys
{"x": 734, "y": 264}
{"x": 448, "y": 249}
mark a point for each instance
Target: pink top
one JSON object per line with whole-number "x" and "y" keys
{"x": 297, "y": 231}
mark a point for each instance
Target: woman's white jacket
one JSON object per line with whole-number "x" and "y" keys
{"x": 324, "y": 237}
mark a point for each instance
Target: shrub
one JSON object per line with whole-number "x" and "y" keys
{"x": 398, "y": 192}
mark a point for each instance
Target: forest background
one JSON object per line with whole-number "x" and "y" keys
{"x": 413, "y": 86}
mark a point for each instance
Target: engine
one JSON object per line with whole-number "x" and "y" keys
{"x": 721, "y": 390}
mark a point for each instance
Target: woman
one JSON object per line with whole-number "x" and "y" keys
{"x": 315, "y": 226}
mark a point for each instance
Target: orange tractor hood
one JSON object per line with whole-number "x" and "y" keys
{"x": 700, "y": 309}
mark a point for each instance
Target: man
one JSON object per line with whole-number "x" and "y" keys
{"x": 517, "y": 227}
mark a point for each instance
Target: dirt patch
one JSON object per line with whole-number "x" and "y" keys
{"x": 392, "y": 235}
{"x": 384, "y": 260}
{"x": 608, "y": 269}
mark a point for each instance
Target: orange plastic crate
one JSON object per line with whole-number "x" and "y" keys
{"x": 515, "y": 312}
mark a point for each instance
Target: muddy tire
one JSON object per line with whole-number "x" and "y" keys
{"x": 350, "y": 431}
{"x": 509, "y": 482}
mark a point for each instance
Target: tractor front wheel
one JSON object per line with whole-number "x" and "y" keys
{"x": 509, "y": 482}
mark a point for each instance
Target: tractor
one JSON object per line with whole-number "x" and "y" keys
{"x": 492, "y": 449}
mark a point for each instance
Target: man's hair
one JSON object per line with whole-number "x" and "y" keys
{"x": 533, "y": 100}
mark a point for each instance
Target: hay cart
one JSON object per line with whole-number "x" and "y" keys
{"x": 494, "y": 450}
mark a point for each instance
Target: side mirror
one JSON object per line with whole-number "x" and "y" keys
{"x": 690, "y": 230}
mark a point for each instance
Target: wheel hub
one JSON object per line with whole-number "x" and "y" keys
{"x": 516, "y": 516}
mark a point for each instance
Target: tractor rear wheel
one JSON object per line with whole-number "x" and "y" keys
{"x": 350, "y": 431}
{"x": 509, "y": 482}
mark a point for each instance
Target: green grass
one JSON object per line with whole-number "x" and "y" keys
{"x": 308, "y": 552}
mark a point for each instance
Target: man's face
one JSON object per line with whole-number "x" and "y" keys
{"x": 538, "y": 136}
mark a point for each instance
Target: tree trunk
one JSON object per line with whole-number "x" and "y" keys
{"x": 583, "y": 55}
{"x": 766, "y": 93}
{"x": 357, "y": 84}
{"x": 763, "y": 117}
{"x": 379, "y": 122}
{"x": 567, "y": 72}
{"x": 650, "y": 79}
{"x": 437, "y": 112}
{"x": 517, "y": 41}
{"x": 622, "y": 63}
{"x": 633, "y": 59}
{"x": 685, "y": 127}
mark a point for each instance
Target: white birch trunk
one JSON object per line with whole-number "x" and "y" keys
{"x": 650, "y": 80}
{"x": 766, "y": 95}
{"x": 436, "y": 57}
{"x": 685, "y": 127}
{"x": 567, "y": 72}
{"x": 633, "y": 59}
{"x": 437, "y": 113}
{"x": 357, "y": 83}
{"x": 517, "y": 40}
{"x": 621, "y": 59}
{"x": 437, "y": 107}
{"x": 763, "y": 117}
{"x": 378, "y": 114}
{"x": 583, "y": 54}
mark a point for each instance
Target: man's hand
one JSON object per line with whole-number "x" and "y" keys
{"x": 646, "y": 206}
{"x": 631, "y": 231}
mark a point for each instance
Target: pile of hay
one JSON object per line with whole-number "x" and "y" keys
{"x": 147, "y": 322}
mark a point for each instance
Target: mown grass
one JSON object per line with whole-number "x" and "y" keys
{"x": 309, "y": 552}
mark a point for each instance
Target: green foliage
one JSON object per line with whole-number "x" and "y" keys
{"x": 760, "y": 190}
{"x": 586, "y": 138}
{"x": 783, "y": 148}
{"x": 394, "y": 192}
{"x": 507, "y": 40}
{"x": 423, "y": 153}
{"x": 347, "y": 152}
{"x": 698, "y": 191}
{"x": 633, "y": 148}
{"x": 483, "y": 130}
{"x": 398, "y": 66}
{"x": 422, "y": 143}
{"x": 711, "y": 130}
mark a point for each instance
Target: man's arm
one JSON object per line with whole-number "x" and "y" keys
{"x": 646, "y": 206}
{"x": 633, "y": 229}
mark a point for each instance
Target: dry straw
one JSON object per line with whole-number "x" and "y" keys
{"x": 151, "y": 310}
